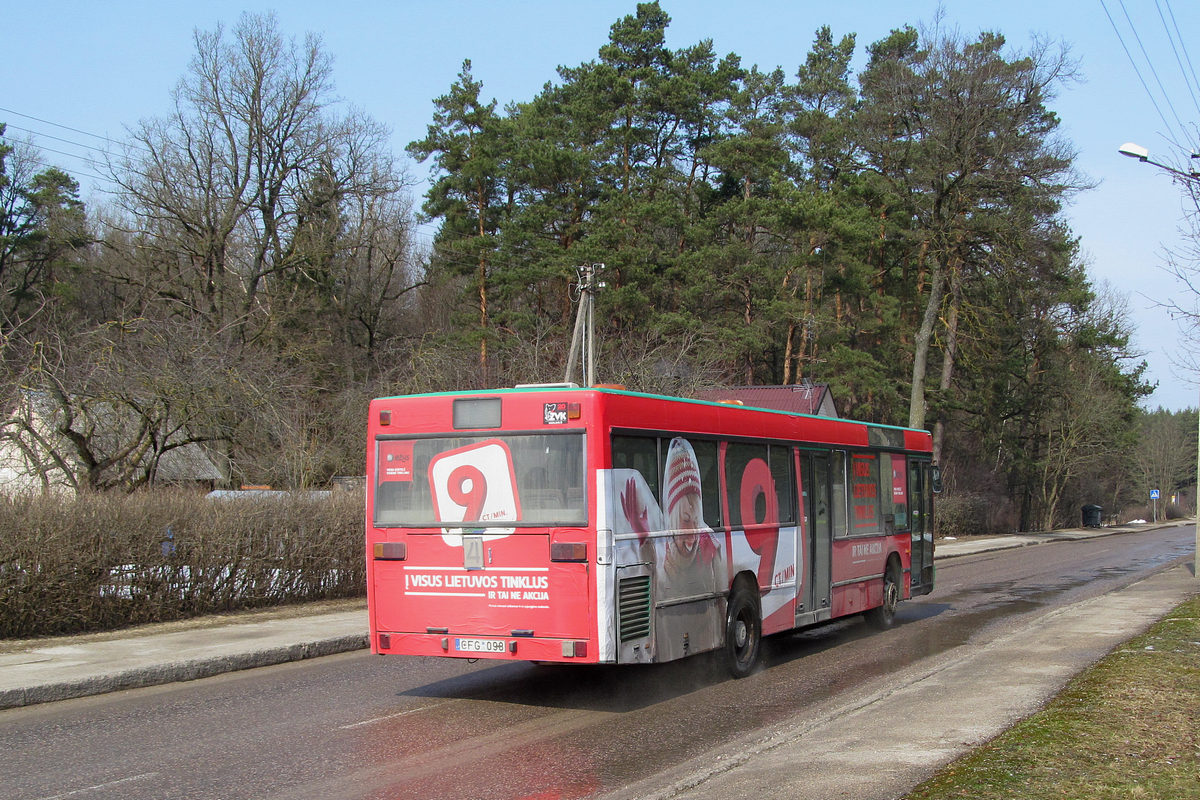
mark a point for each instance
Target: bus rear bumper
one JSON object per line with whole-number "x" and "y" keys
{"x": 504, "y": 648}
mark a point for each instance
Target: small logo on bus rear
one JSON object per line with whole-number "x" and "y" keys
{"x": 554, "y": 413}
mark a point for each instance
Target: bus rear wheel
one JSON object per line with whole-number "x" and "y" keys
{"x": 743, "y": 633}
{"x": 883, "y": 616}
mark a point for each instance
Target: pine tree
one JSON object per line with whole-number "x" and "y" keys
{"x": 468, "y": 194}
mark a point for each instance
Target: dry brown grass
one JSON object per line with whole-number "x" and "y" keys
{"x": 1128, "y": 728}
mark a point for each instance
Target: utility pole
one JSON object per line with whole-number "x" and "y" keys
{"x": 583, "y": 339}
{"x": 1191, "y": 176}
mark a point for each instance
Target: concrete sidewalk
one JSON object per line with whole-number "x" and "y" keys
{"x": 45, "y": 670}
{"x": 901, "y": 728}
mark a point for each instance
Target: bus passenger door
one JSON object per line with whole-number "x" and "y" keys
{"x": 920, "y": 498}
{"x": 818, "y": 525}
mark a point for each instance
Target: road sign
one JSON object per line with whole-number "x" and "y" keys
{"x": 1154, "y": 494}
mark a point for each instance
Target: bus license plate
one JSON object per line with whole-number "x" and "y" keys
{"x": 479, "y": 645}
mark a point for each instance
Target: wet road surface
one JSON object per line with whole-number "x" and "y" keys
{"x": 361, "y": 726}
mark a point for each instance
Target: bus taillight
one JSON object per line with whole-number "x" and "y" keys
{"x": 568, "y": 551}
{"x": 391, "y": 551}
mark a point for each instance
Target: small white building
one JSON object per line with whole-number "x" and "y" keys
{"x": 38, "y": 456}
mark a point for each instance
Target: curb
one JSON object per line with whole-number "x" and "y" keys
{"x": 172, "y": 672}
{"x": 1016, "y": 540}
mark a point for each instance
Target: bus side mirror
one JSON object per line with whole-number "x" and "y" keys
{"x": 937, "y": 479}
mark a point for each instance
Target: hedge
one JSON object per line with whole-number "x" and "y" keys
{"x": 101, "y": 561}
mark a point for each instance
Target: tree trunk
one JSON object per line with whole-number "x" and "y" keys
{"x": 787, "y": 354}
{"x": 916, "y": 403}
{"x": 939, "y": 427}
{"x": 483, "y": 307}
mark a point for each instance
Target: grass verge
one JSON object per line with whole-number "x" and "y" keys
{"x": 1127, "y": 728}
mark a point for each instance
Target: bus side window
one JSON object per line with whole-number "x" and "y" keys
{"x": 837, "y": 504}
{"x": 710, "y": 485}
{"x": 777, "y": 461}
{"x": 820, "y": 502}
{"x": 639, "y": 453}
{"x": 897, "y": 487}
{"x": 865, "y": 512}
{"x": 785, "y": 483}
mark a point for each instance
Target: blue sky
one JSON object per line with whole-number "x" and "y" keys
{"x": 98, "y": 67}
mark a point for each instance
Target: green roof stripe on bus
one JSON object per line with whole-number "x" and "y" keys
{"x": 631, "y": 393}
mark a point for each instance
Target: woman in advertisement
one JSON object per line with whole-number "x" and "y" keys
{"x": 692, "y": 561}
{"x": 688, "y": 557}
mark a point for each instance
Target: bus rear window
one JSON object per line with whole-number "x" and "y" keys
{"x": 480, "y": 481}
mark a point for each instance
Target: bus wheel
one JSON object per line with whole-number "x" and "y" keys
{"x": 743, "y": 633}
{"x": 884, "y": 616}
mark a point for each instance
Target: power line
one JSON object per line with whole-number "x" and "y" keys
{"x": 1170, "y": 135}
{"x": 1175, "y": 50}
{"x": 48, "y": 165}
{"x": 86, "y": 159}
{"x": 1191, "y": 70}
{"x": 60, "y": 125}
{"x": 74, "y": 171}
{"x": 415, "y": 235}
{"x": 50, "y": 136}
{"x": 1154, "y": 72}
{"x": 89, "y": 160}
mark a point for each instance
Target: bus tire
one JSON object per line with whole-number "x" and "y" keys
{"x": 743, "y": 632}
{"x": 883, "y": 616}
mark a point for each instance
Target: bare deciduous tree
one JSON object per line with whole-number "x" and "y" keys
{"x": 254, "y": 155}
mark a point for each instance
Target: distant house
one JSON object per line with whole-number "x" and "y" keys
{"x": 804, "y": 398}
{"x": 36, "y": 456}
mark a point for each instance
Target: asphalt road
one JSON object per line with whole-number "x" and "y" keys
{"x": 361, "y": 726}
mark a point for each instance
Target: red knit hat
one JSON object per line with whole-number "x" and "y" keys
{"x": 682, "y": 473}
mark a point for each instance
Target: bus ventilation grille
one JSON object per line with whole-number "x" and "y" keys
{"x": 633, "y": 599}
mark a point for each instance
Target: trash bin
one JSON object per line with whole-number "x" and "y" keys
{"x": 1091, "y": 516}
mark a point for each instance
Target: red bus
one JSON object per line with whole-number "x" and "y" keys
{"x": 602, "y": 526}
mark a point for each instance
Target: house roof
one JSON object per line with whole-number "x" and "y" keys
{"x": 113, "y": 426}
{"x": 807, "y": 398}
{"x": 189, "y": 462}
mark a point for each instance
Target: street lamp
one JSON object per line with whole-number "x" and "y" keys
{"x": 1134, "y": 151}
{"x": 1142, "y": 154}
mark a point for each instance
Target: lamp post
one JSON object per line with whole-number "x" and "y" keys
{"x": 1142, "y": 154}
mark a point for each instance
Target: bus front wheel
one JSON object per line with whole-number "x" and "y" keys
{"x": 743, "y": 633}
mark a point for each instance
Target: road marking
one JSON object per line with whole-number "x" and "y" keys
{"x": 99, "y": 786}
{"x": 385, "y": 718}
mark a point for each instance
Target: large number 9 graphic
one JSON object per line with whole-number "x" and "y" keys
{"x": 473, "y": 497}
{"x": 761, "y": 534}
